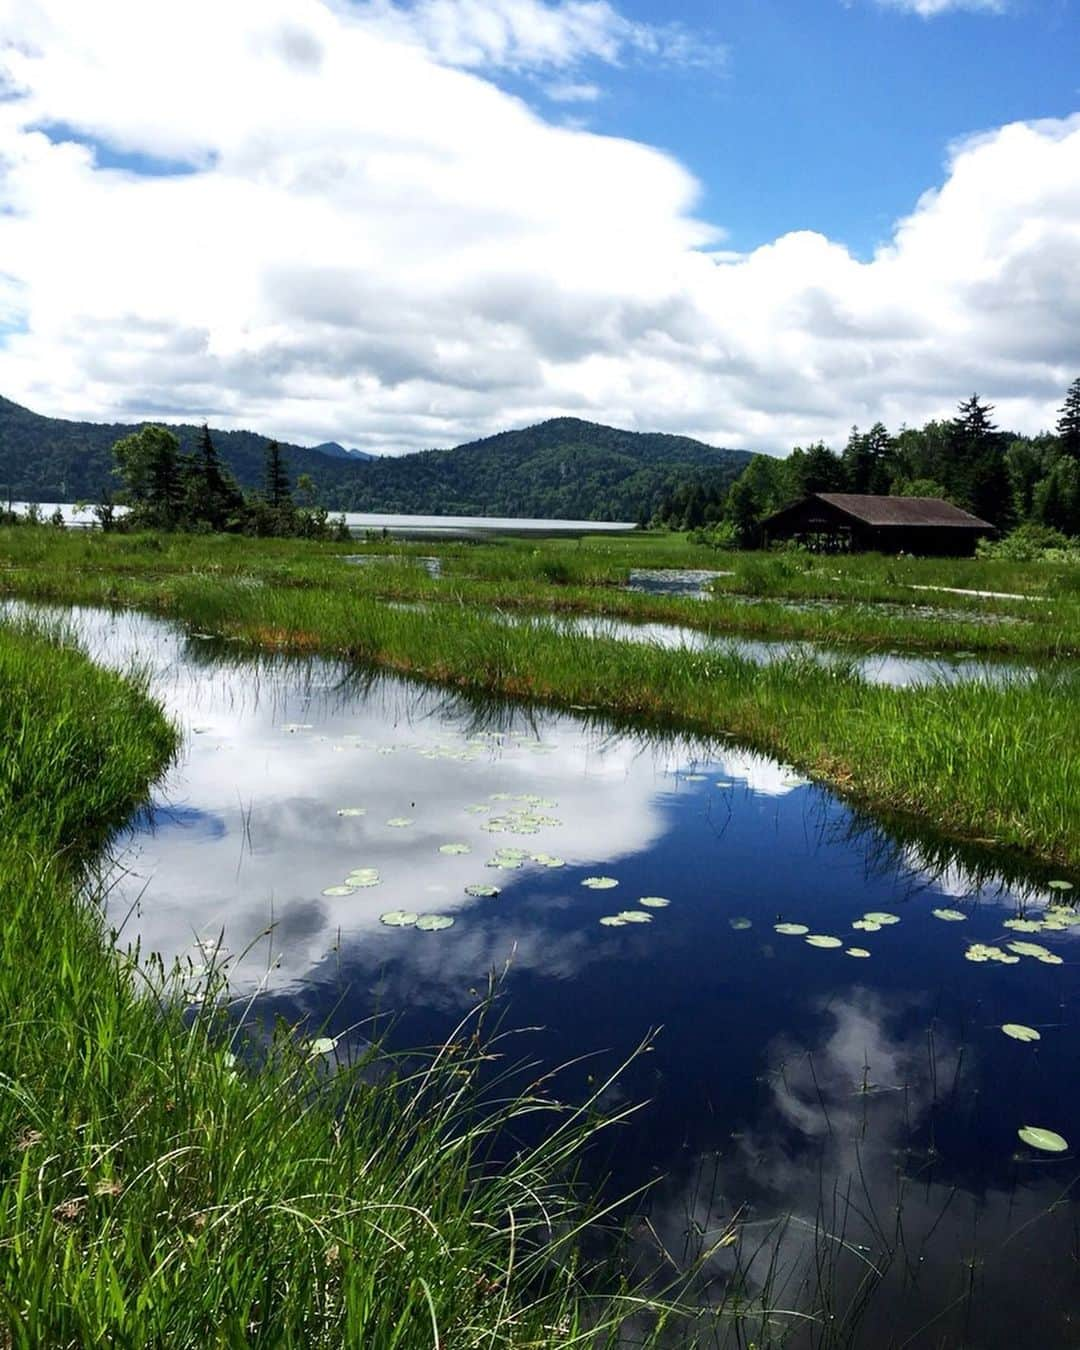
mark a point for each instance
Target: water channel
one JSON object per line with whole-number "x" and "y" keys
{"x": 855, "y": 1102}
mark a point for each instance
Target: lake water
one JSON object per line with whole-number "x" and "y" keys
{"x": 404, "y": 527}
{"x": 861, "y": 1111}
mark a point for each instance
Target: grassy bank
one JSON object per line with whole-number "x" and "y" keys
{"x": 864, "y": 603}
{"x": 166, "y": 1185}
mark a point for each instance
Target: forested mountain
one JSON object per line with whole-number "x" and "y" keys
{"x": 47, "y": 459}
{"x": 563, "y": 468}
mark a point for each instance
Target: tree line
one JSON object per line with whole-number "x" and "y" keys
{"x": 1004, "y": 478}
{"x": 166, "y": 489}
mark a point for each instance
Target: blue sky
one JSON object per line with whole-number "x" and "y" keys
{"x": 832, "y": 116}
{"x": 409, "y": 223}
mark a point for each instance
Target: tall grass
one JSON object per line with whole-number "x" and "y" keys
{"x": 165, "y": 1182}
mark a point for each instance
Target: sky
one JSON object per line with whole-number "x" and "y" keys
{"x": 400, "y": 224}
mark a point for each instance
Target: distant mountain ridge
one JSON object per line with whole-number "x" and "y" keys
{"x": 564, "y": 468}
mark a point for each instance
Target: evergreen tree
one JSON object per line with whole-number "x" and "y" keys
{"x": 214, "y": 497}
{"x": 276, "y": 478}
{"x": 1068, "y": 427}
{"x": 149, "y": 463}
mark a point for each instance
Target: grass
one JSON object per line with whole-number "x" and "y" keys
{"x": 864, "y": 603}
{"x": 167, "y": 1182}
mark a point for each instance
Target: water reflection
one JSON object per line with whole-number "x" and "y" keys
{"x": 858, "y": 1117}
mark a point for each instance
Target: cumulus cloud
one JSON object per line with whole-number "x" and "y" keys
{"x": 929, "y": 9}
{"x": 366, "y": 243}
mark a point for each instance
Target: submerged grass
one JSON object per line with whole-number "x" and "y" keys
{"x": 164, "y": 1183}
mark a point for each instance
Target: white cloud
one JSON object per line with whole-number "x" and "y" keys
{"x": 568, "y": 92}
{"x": 929, "y": 9}
{"x": 377, "y": 248}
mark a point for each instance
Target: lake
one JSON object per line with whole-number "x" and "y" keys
{"x": 857, "y": 1113}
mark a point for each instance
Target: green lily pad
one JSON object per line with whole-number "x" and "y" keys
{"x": 949, "y": 915}
{"x": 1060, "y": 885}
{"x": 399, "y": 822}
{"x": 505, "y": 864}
{"x": 613, "y": 921}
{"x": 740, "y": 925}
{"x": 1027, "y": 949}
{"x": 981, "y": 951}
{"x": 791, "y": 929}
{"x": 1024, "y": 925}
{"x": 478, "y": 809}
{"x": 398, "y": 918}
{"x": 694, "y": 777}
{"x": 483, "y": 892}
{"x": 1036, "y": 1137}
{"x": 454, "y": 849}
{"x": 434, "y": 923}
{"x": 876, "y": 916}
{"x": 600, "y": 883}
{"x": 856, "y": 951}
{"x": 1019, "y": 1032}
{"x": 654, "y": 902}
{"x": 340, "y": 890}
{"x": 865, "y": 926}
{"x": 823, "y": 940}
{"x": 1051, "y": 959}
{"x": 323, "y": 1045}
{"x": 363, "y": 882}
{"x": 547, "y": 860}
{"x": 634, "y": 916}
{"x": 352, "y": 811}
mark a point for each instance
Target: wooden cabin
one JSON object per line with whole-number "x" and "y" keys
{"x": 856, "y": 522}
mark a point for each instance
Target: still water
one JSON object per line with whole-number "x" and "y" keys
{"x": 855, "y": 1112}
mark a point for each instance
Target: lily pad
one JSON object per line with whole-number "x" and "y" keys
{"x": 876, "y": 916}
{"x": 791, "y": 929}
{"x": 613, "y": 921}
{"x": 434, "y": 923}
{"x": 823, "y": 940}
{"x": 981, "y": 951}
{"x": 505, "y": 864}
{"x": 1036, "y": 1137}
{"x": 1051, "y": 959}
{"x": 1027, "y": 949}
{"x": 483, "y": 892}
{"x": 1060, "y": 885}
{"x": 865, "y": 926}
{"x": 654, "y": 902}
{"x": 634, "y": 916}
{"x": 600, "y": 883}
{"x": 856, "y": 951}
{"x": 399, "y": 822}
{"x": 740, "y": 924}
{"x": 398, "y": 918}
{"x": 1019, "y": 1032}
{"x": 340, "y": 890}
{"x": 694, "y": 777}
{"x": 323, "y": 1045}
{"x": 949, "y": 915}
{"x": 1024, "y": 925}
{"x": 547, "y": 860}
{"x": 454, "y": 849}
{"x": 364, "y": 882}
{"x": 352, "y": 810}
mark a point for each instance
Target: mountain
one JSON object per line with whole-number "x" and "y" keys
{"x": 560, "y": 469}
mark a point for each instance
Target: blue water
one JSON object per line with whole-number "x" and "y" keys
{"x": 803, "y": 1093}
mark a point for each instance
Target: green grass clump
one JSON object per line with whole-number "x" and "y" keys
{"x": 165, "y": 1182}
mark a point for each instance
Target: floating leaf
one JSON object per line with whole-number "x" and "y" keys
{"x": 505, "y": 864}
{"x": 1019, "y": 1032}
{"x": 324, "y": 1045}
{"x": 364, "y": 873}
{"x": 981, "y": 951}
{"x": 399, "y": 822}
{"x": 454, "y": 849}
{"x": 634, "y": 916}
{"x": 1036, "y": 1137}
{"x": 362, "y": 882}
{"x": 876, "y": 916}
{"x": 352, "y": 810}
{"x": 599, "y": 883}
{"x": 1059, "y": 885}
{"x": 434, "y": 923}
{"x": 822, "y": 940}
{"x": 483, "y": 892}
{"x": 398, "y": 918}
{"x": 340, "y": 890}
{"x": 1050, "y": 959}
{"x": 1027, "y": 949}
{"x": 1024, "y": 925}
{"x": 866, "y": 926}
{"x": 613, "y": 921}
{"x": 791, "y": 929}
{"x": 856, "y": 951}
{"x": 547, "y": 860}
{"x": 654, "y": 902}
{"x": 694, "y": 777}
{"x": 478, "y": 809}
{"x": 949, "y": 915}
{"x": 740, "y": 924}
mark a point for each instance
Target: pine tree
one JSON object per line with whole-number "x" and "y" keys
{"x": 216, "y": 499}
{"x": 276, "y": 478}
{"x": 1068, "y": 427}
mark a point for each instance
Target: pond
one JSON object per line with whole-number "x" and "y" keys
{"x": 851, "y": 1101}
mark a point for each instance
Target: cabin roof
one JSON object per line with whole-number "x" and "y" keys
{"x": 905, "y": 511}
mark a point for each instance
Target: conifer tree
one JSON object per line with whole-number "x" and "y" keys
{"x": 276, "y": 478}
{"x": 1068, "y": 427}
